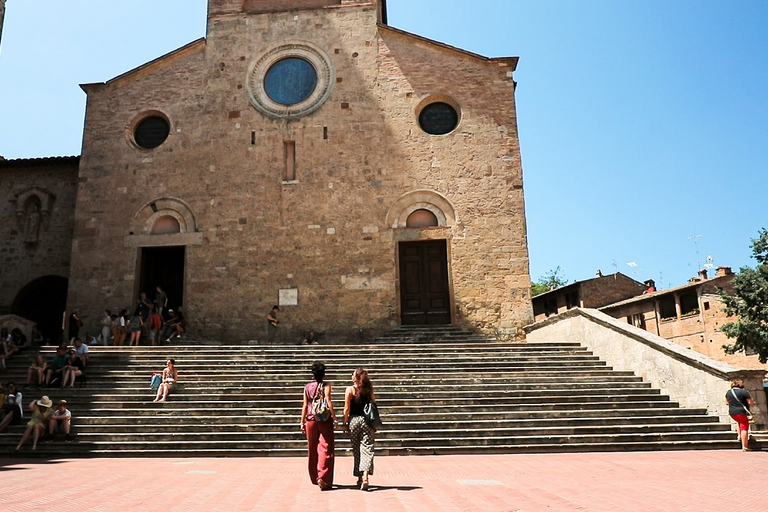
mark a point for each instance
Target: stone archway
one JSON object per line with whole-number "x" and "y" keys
{"x": 43, "y": 301}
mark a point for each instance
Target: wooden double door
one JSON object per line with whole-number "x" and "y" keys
{"x": 424, "y": 290}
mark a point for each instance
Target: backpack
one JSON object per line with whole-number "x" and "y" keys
{"x": 320, "y": 407}
{"x": 155, "y": 381}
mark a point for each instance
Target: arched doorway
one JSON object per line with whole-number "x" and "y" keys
{"x": 43, "y": 301}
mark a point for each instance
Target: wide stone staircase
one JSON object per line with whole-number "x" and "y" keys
{"x": 444, "y": 392}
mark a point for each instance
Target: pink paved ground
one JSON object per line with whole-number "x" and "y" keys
{"x": 656, "y": 481}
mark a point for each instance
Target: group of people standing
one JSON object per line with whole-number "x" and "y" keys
{"x": 320, "y": 431}
{"x": 151, "y": 323}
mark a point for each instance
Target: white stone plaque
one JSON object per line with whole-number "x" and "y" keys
{"x": 289, "y": 297}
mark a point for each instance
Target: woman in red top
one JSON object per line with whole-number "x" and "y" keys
{"x": 320, "y": 439}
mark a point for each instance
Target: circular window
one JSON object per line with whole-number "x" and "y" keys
{"x": 438, "y": 118}
{"x": 151, "y": 132}
{"x": 290, "y": 81}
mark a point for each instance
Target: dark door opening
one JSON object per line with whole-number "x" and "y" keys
{"x": 43, "y": 301}
{"x": 163, "y": 267}
{"x": 424, "y": 293}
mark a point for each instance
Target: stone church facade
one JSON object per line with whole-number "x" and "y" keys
{"x": 306, "y": 154}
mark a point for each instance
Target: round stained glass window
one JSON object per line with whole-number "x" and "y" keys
{"x": 438, "y": 118}
{"x": 151, "y": 132}
{"x": 290, "y": 81}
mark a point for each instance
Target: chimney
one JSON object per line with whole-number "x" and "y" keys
{"x": 703, "y": 274}
{"x": 723, "y": 271}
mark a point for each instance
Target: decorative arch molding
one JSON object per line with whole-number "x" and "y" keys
{"x": 46, "y": 200}
{"x": 146, "y": 217}
{"x": 430, "y": 200}
{"x": 148, "y": 214}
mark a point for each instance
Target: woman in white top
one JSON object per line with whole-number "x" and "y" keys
{"x": 170, "y": 376}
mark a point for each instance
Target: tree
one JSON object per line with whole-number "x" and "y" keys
{"x": 749, "y": 303}
{"x": 551, "y": 280}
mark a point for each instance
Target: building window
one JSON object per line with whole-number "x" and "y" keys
{"x": 689, "y": 304}
{"x": 572, "y": 300}
{"x": 290, "y": 161}
{"x": 290, "y": 81}
{"x": 438, "y": 118}
{"x": 151, "y": 132}
{"x": 637, "y": 320}
{"x": 550, "y": 306}
{"x": 667, "y": 307}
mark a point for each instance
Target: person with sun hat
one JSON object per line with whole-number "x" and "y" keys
{"x": 41, "y": 412}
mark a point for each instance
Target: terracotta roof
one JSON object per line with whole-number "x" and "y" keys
{"x": 575, "y": 283}
{"x": 714, "y": 281}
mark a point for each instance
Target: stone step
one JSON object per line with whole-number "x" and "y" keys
{"x": 250, "y": 442}
{"x": 273, "y": 424}
{"x": 289, "y": 416}
{"x": 396, "y": 437}
{"x": 396, "y": 396}
{"x": 436, "y": 396}
{"x": 77, "y": 449}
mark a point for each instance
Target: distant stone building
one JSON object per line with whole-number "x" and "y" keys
{"x": 690, "y": 315}
{"x": 306, "y": 154}
{"x": 590, "y": 293}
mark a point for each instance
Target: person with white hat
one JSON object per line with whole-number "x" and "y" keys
{"x": 41, "y": 413}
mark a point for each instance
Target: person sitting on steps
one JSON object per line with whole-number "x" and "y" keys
{"x": 41, "y": 412}
{"x": 178, "y": 326}
{"x": 36, "y": 372}
{"x": 62, "y": 418}
{"x": 169, "y": 379}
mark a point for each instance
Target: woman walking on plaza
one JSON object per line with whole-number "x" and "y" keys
{"x": 739, "y": 401}
{"x": 319, "y": 431}
{"x": 356, "y": 397}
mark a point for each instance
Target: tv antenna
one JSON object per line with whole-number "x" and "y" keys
{"x": 695, "y": 239}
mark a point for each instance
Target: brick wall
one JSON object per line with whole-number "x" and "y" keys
{"x": 29, "y": 256}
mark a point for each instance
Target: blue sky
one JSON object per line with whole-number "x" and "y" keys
{"x": 642, "y": 122}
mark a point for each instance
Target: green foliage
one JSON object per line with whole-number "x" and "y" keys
{"x": 749, "y": 303}
{"x": 551, "y": 280}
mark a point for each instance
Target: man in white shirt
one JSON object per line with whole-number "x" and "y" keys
{"x": 61, "y": 416}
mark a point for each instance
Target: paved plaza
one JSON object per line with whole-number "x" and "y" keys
{"x": 638, "y": 481}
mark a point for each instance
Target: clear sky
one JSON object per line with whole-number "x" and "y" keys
{"x": 643, "y": 123}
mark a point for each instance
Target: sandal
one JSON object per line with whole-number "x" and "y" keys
{"x": 364, "y": 486}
